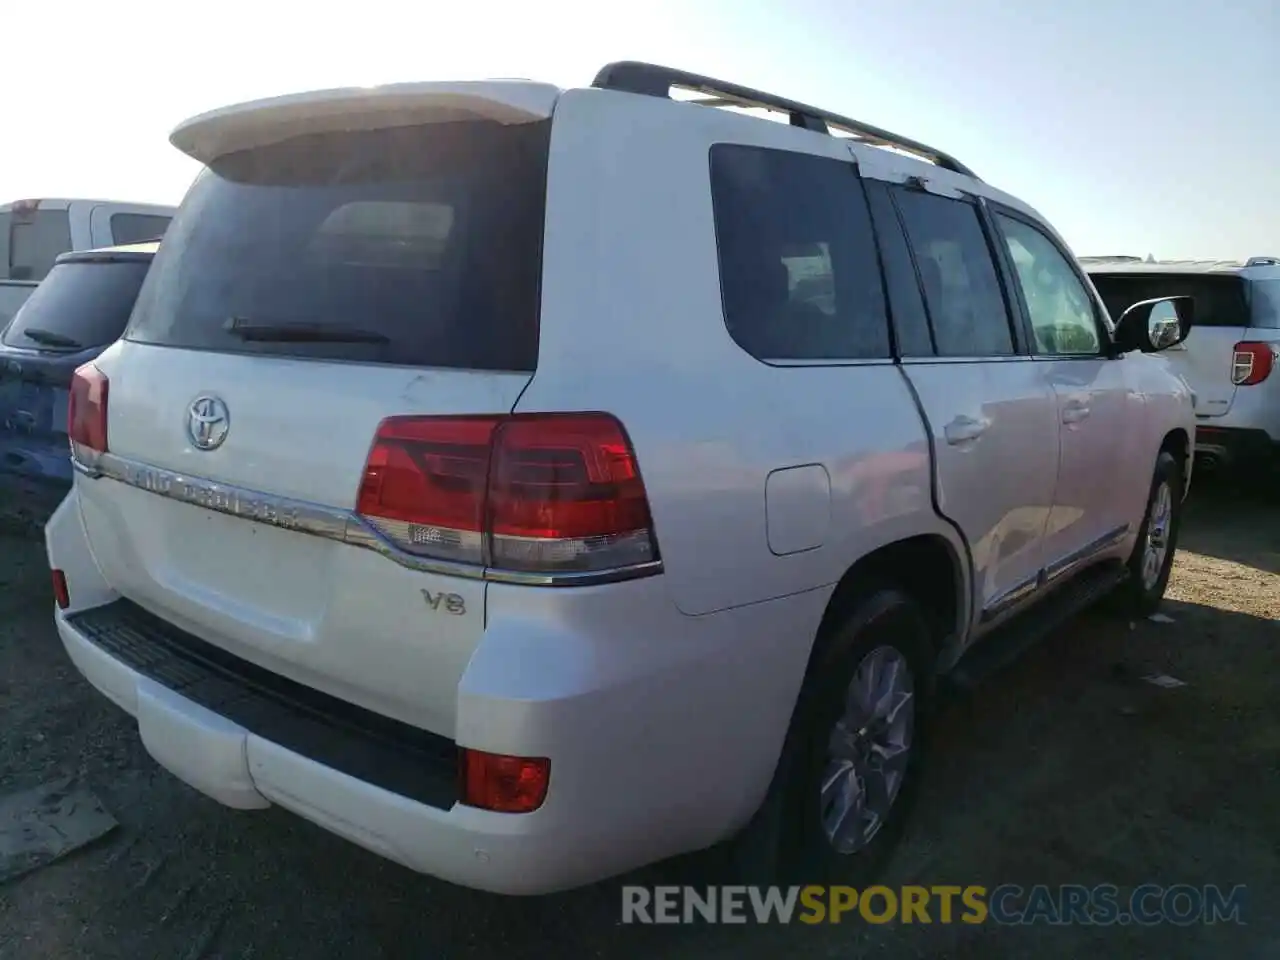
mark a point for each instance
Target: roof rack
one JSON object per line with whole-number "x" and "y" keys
{"x": 649, "y": 79}
{"x": 1263, "y": 262}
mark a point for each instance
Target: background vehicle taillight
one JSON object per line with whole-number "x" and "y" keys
{"x": 542, "y": 493}
{"x": 1251, "y": 363}
{"x": 87, "y": 413}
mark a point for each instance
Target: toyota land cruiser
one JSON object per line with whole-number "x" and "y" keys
{"x": 530, "y": 484}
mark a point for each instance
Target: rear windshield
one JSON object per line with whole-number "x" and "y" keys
{"x": 79, "y": 305}
{"x": 418, "y": 246}
{"x": 1219, "y": 300}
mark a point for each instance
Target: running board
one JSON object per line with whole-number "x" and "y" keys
{"x": 1007, "y": 642}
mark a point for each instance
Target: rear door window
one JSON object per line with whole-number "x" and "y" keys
{"x": 79, "y": 305}
{"x": 36, "y": 239}
{"x": 418, "y": 246}
{"x": 961, "y": 286}
{"x": 137, "y": 227}
{"x": 1219, "y": 300}
{"x": 799, "y": 272}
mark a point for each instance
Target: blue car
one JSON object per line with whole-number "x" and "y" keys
{"x": 78, "y": 310}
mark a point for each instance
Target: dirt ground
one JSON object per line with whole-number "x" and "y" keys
{"x": 1065, "y": 769}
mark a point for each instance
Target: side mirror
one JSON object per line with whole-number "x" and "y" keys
{"x": 1153, "y": 325}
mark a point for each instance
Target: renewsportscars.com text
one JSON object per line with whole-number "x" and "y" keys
{"x": 1008, "y": 904}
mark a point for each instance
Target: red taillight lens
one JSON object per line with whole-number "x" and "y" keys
{"x": 492, "y": 781}
{"x": 1251, "y": 363}
{"x": 424, "y": 484}
{"x": 87, "y": 412}
{"x": 60, "y": 592}
{"x": 535, "y": 493}
{"x": 565, "y": 494}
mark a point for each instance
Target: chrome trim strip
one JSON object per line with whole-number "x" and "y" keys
{"x": 1055, "y": 571}
{"x": 329, "y": 523}
{"x": 1002, "y": 358}
{"x": 1078, "y": 558}
{"x": 1011, "y": 597}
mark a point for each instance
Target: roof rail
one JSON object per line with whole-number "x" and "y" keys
{"x": 1263, "y": 262}
{"x": 649, "y": 79}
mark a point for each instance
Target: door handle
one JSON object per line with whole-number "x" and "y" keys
{"x": 1073, "y": 411}
{"x": 964, "y": 429}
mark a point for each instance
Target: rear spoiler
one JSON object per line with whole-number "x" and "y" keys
{"x": 260, "y": 122}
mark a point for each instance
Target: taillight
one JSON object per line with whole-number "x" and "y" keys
{"x": 1251, "y": 363}
{"x": 505, "y": 784}
{"x": 60, "y": 592}
{"x": 87, "y": 413}
{"x": 540, "y": 493}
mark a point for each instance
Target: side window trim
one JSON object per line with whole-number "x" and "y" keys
{"x": 1016, "y": 334}
{"x": 1024, "y": 312}
{"x": 892, "y": 307}
{"x": 1019, "y": 315}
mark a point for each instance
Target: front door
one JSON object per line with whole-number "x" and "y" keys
{"x": 1099, "y": 410}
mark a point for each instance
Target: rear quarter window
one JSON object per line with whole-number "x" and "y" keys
{"x": 137, "y": 227}
{"x": 799, "y": 273}
{"x": 418, "y": 246}
{"x": 1264, "y": 296}
{"x": 79, "y": 305}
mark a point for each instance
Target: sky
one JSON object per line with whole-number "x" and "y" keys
{"x": 1134, "y": 126}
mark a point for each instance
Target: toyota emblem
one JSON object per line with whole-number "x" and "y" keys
{"x": 207, "y": 422}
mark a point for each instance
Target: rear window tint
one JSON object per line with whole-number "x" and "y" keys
{"x": 36, "y": 239}
{"x": 421, "y": 245}
{"x": 137, "y": 227}
{"x": 1219, "y": 301}
{"x": 1265, "y": 297}
{"x": 87, "y": 304}
{"x": 798, "y": 267}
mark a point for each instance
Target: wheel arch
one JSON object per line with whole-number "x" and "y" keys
{"x": 929, "y": 567}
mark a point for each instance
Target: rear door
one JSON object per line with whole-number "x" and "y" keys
{"x": 305, "y": 291}
{"x": 1221, "y": 321}
{"x": 80, "y": 308}
{"x": 990, "y": 408}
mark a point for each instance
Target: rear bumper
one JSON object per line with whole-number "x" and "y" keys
{"x": 1235, "y": 448}
{"x": 662, "y": 730}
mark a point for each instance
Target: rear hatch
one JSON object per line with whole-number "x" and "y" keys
{"x": 307, "y": 289}
{"x": 79, "y": 309}
{"x": 1221, "y": 321}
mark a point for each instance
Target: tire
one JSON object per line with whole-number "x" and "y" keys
{"x": 1141, "y": 593}
{"x": 792, "y": 834}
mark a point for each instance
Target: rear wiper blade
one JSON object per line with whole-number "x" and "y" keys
{"x": 302, "y": 332}
{"x": 48, "y": 338}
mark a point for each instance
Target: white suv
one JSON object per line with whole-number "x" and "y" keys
{"x": 1230, "y": 356}
{"x": 530, "y": 484}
